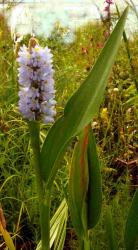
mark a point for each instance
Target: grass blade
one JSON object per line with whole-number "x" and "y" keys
{"x": 110, "y": 231}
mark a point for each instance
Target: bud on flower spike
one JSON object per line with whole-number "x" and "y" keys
{"x": 109, "y": 1}
{"x": 36, "y": 94}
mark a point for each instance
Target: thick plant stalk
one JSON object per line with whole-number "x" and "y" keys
{"x": 45, "y": 221}
{"x": 44, "y": 197}
{"x": 85, "y": 244}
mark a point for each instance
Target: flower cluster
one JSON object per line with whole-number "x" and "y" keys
{"x": 36, "y": 94}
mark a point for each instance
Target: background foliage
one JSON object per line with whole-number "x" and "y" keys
{"x": 115, "y": 128}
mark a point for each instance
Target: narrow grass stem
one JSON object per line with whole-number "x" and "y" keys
{"x": 126, "y": 42}
{"x": 44, "y": 197}
{"x": 108, "y": 126}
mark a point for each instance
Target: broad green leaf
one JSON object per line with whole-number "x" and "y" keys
{"x": 94, "y": 199}
{"x": 112, "y": 243}
{"x": 81, "y": 107}
{"x": 78, "y": 185}
{"x": 131, "y": 229}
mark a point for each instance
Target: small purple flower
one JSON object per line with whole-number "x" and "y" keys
{"x": 107, "y": 8}
{"x": 37, "y": 93}
{"x": 109, "y": 1}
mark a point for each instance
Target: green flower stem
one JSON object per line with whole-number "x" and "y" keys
{"x": 85, "y": 244}
{"x": 44, "y": 197}
{"x": 45, "y": 221}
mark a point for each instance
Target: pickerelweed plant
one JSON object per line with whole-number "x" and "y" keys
{"x": 37, "y": 104}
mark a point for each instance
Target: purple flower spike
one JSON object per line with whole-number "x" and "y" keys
{"x": 109, "y": 1}
{"x": 36, "y": 94}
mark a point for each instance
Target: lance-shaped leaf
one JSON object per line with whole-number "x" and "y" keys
{"x": 81, "y": 107}
{"x": 94, "y": 199}
{"x": 78, "y": 185}
{"x": 131, "y": 230}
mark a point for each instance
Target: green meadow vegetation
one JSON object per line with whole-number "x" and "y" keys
{"x": 114, "y": 127}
